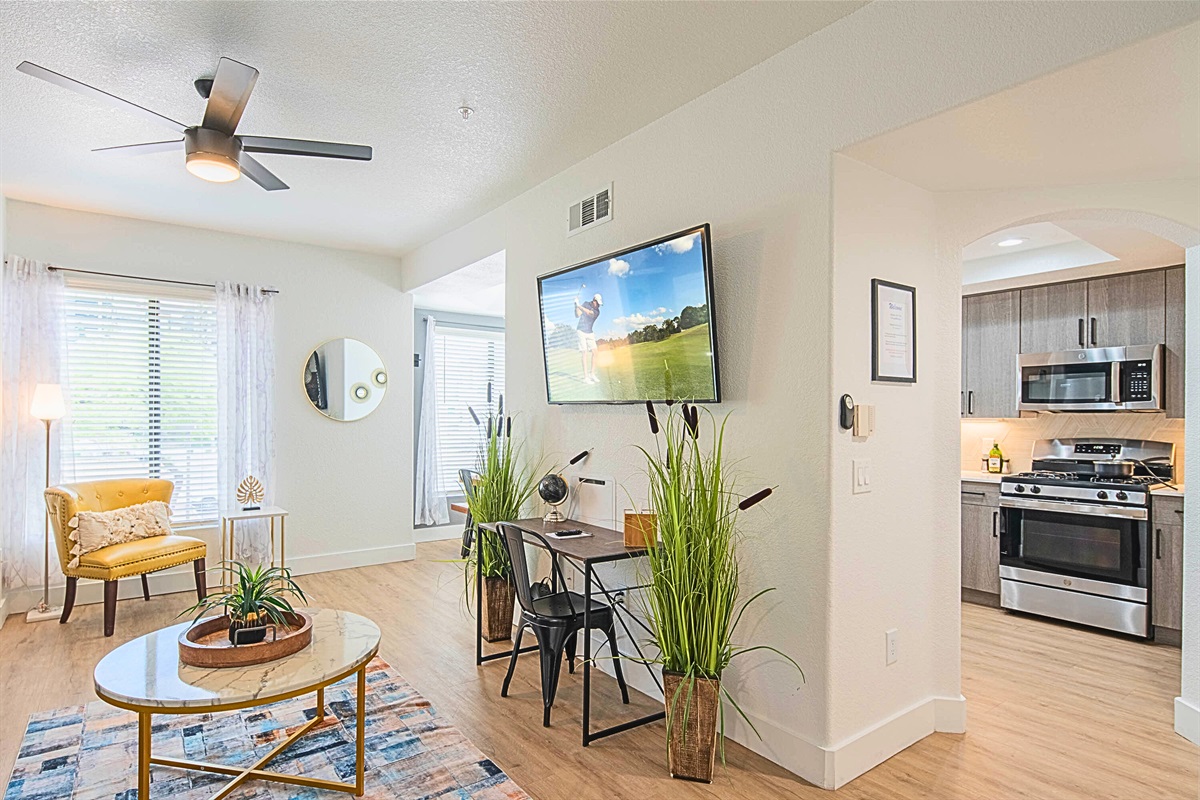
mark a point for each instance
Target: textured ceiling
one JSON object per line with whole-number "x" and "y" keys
{"x": 474, "y": 289}
{"x": 551, "y": 84}
{"x": 1130, "y": 115}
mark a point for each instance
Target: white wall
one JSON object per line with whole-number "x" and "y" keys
{"x": 1187, "y": 705}
{"x": 346, "y": 484}
{"x": 753, "y": 158}
{"x": 3, "y": 252}
{"x": 900, "y": 541}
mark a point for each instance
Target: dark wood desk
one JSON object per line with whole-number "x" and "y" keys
{"x": 604, "y": 546}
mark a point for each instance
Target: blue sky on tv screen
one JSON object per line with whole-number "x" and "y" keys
{"x": 641, "y": 288}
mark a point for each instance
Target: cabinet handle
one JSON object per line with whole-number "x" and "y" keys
{"x": 1082, "y": 341}
{"x": 970, "y": 403}
{"x": 962, "y": 397}
{"x": 1093, "y": 331}
{"x": 977, "y": 494}
{"x": 1158, "y": 544}
{"x": 1179, "y": 511}
{"x": 995, "y": 524}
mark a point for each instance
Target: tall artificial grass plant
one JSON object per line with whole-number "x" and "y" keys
{"x": 693, "y": 602}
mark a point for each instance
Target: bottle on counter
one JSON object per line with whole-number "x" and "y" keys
{"x": 995, "y": 463}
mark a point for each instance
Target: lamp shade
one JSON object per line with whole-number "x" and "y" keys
{"x": 48, "y": 402}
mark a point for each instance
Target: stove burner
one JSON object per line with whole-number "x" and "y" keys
{"x": 1046, "y": 474}
{"x": 1136, "y": 480}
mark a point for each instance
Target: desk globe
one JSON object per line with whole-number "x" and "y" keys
{"x": 553, "y": 491}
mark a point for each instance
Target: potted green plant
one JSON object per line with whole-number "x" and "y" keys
{"x": 258, "y": 596}
{"x": 504, "y": 486}
{"x": 692, "y": 602}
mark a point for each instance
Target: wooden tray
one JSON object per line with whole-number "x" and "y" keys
{"x": 206, "y": 644}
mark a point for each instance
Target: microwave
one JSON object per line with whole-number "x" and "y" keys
{"x": 1097, "y": 379}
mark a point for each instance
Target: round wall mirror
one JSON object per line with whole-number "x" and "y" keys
{"x": 344, "y": 379}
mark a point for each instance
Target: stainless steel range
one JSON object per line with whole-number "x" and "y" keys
{"x": 1074, "y": 545}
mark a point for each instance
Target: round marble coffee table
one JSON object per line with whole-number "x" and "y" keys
{"x": 146, "y": 676}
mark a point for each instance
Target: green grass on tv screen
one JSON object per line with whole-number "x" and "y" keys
{"x": 636, "y": 371}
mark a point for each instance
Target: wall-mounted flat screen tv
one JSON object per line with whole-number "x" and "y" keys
{"x": 634, "y": 325}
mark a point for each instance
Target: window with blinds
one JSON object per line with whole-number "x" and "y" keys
{"x": 468, "y": 361}
{"x": 142, "y": 374}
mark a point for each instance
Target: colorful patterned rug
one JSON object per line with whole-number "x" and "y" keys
{"x": 90, "y": 752}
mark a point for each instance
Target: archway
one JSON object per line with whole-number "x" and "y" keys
{"x": 983, "y": 220}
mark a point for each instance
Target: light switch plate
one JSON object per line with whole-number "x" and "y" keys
{"x": 862, "y": 475}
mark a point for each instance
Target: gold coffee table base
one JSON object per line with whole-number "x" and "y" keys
{"x": 256, "y": 771}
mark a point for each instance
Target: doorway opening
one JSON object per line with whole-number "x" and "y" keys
{"x": 458, "y": 376}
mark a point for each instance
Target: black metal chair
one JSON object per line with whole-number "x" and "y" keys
{"x": 556, "y": 618}
{"x": 467, "y": 478}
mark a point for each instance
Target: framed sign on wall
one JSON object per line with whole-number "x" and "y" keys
{"x": 893, "y": 332}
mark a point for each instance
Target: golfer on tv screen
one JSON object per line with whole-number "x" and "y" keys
{"x": 588, "y": 313}
{"x": 631, "y": 327}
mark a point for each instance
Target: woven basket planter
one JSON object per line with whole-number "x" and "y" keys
{"x": 498, "y": 598}
{"x": 692, "y": 712}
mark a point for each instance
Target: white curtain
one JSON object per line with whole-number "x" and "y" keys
{"x": 246, "y": 405}
{"x": 431, "y": 505}
{"x": 31, "y": 352}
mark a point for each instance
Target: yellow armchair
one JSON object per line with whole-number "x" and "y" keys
{"x": 109, "y": 564}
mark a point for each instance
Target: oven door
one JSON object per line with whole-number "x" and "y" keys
{"x": 1100, "y": 543}
{"x": 1079, "y": 380}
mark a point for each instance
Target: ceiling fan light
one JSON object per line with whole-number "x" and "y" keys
{"x": 213, "y": 167}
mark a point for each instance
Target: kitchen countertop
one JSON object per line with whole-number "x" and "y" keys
{"x": 980, "y": 477}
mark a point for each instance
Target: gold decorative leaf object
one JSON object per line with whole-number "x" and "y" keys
{"x": 250, "y": 491}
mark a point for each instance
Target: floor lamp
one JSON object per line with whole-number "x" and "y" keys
{"x": 48, "y": 405}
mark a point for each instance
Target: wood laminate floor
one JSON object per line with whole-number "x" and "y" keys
{"x": 1055, "y": 712}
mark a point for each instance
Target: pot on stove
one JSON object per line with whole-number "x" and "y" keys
{"x": 1115, "y": 468}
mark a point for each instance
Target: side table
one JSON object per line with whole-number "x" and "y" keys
{"x": 229, "y": 524}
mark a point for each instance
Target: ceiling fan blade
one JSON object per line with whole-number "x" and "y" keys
{"x": 305, "y": 147}
{"x": 91, "y": 91}
{"x": 230, "y": 92}
{"x": 142, "y": 149}
{"x": 260, "y": 174}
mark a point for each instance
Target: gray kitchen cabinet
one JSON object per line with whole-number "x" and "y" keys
{"x": 1176, "y": 317}
{"x": 962, "y": 371}
{"x": 980, "y": 539}
{"x": 1166, "y": 583}
{"x": 991, "y": 342}
{"x": 1127, "y": 309}
{"x": 1053, "y": 317}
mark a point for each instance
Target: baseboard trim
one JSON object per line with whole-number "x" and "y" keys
{"x": 1187, "y": 720}
{"x": 437, "y": 533}
{"x": 834, "y": 767}
{"x": 871, "y": 747}
{"x": 3, "y": 609}
{"x": 950, "y": 714}
{"x": 180, "y": 579}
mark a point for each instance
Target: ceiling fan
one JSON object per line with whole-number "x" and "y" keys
{"x": 213, "y": 151}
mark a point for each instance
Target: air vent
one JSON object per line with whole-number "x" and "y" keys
{"x": 591, "y": 210}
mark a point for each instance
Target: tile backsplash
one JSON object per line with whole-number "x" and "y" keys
{"x": 1016, "y": 436}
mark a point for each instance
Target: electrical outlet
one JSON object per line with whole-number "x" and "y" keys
{"x": 862, "y": 475}
{"x": 892, "y": 635}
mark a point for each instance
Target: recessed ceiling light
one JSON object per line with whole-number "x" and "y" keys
{"x": 1010, "y": 242}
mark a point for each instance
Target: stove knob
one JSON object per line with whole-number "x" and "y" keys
{"x": 1035, "y": 489}
{"x": 1102, "y": 495}
{"x": 1122, "y": 496}
{"x": 1020, "y": 489}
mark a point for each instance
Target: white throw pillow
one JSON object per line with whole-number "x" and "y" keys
{"x": 93, "y": 530}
